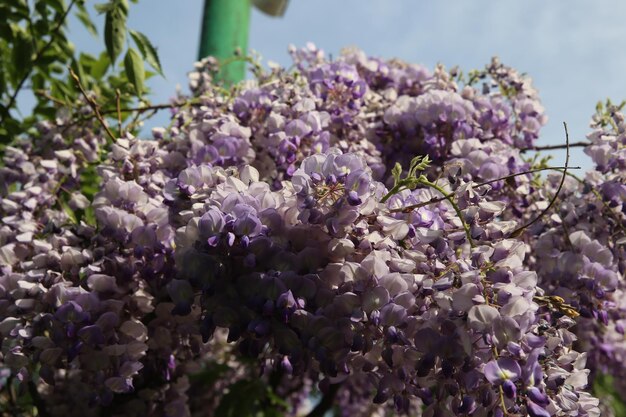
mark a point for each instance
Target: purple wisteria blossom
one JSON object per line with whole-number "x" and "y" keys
{"x": 261, "y": 250}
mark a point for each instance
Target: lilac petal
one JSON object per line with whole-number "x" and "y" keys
{"x": 481, "y": 317}
{"x": 532, "y": 372}
{"x": 392, "y": 314}
{"x": 509, "y": 388}
{"x": 130, "y": 368}
{"x": 71, "y": 312}
{"x": 506, "y": 330}
{"x": 231, "y": 238}
{"x": 247, "y": 225}
{"x": 286, "y": 300}
{"x": 119, "y": 385}
{"x": 501, "y": 370}
{"x": 538, "y": 397}
{"x": 514, "y": 349}
{"x": 535, "y": 410}
{"x": 91, "y": 335}
{"x": 353, "y": 198}
{"x": 375, "y": 298}
{"x": 468, "y": 405}
{"x": 211, "y": 223}
{"x": 535, "y": 341}
{"x": 286, "y": 366}
{"x": 171, "y": 363}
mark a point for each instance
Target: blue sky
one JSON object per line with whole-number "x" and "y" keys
{"x": 574, "y": 50}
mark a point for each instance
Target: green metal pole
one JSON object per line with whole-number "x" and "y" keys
{"x": 225, "y": 25}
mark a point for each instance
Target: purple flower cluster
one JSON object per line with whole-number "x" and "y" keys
{"x": 270, "y": 235}
{"x": 580, "y": 250}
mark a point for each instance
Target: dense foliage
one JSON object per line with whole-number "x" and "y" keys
{"x": 356, "y": 235}
{"x": 36, "y": 55}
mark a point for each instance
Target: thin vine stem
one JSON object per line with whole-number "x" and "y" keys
{"x": 395, "y": 190}
{"x": 140, "y": 109}
{"x": 455, "y": 206}
{"x": 521, "y": 229}
{"x": 554, "y": 147}
{"x": 412, "y": 207}
{"x": 93, "y": 105}
{"x": 118, "y": 110}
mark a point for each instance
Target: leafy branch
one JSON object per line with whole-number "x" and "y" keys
{"x": 93, "y": 105}
{"x": 456, "y": 208}
{"x": 408, "y": 209}
{"x": 412, "y": 181}
{"x": 35, "y": 53}
{"x": 555, "y": 147}
{"x": 40, "y": 52}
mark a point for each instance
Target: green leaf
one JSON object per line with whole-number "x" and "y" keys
{"x": 67, "y": 49}
{"x": 70, "y": 213}
{"x": 122, "y": 6}
{"x": 210, "y": 373}
{"x": 60, "y": 90}
{"x": 84, "y": 18}
{"x": 6, "y": 33}
{"x": 134, "y": 69}
{"x": 242, "y": 399}
{"x": 414, "y": 162}
{"x": 100, "y": 67}
{"x": 114, "y": 33}
{"x": 89, "y": 216}
{"x": 86, "y": 60}
{"x": 419, "y": 163}
{"x": 20, "y": 9}
{"x": 604, "y": 388}
{"x": 79, "y": 70}
{"x": 41, "y": 27}
{"x": 274, "y": 8}
{"x": 48, "y": 112}
{"x": 276, "y": 400}
{"x": 148, "y": 51}
{"x": 38, "y": 81}
{"x": 90, "y": 182}
{"x": 57, "y": 5}
{"x": 49, "y": 56}
{"x": 104, "y": 7}
{"x": 22, "y": 54}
